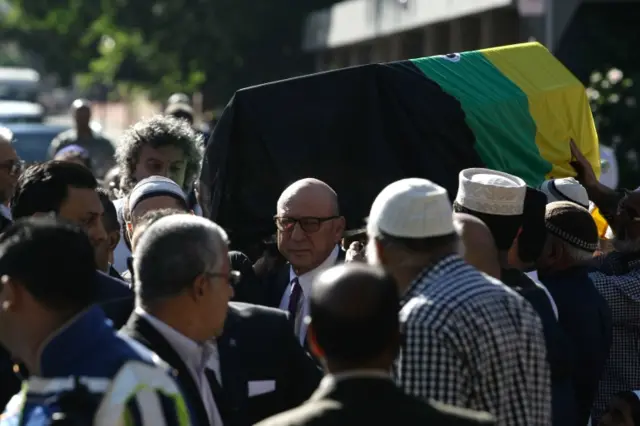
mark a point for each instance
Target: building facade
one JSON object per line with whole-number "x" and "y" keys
{"x": 355, "y": 32}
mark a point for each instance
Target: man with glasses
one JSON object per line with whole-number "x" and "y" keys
{"x": 236, "y": 363}
{"x": 310, "y": 229}
{"x": 10, "y": 168}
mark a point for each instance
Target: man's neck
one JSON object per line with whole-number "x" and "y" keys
{"x": 503, "y": 259}
{"x": 84, "y": 132}
{"x": 174, "y": 317}
{"x": 378, "y": 366}
{"x": 36, "y": 342}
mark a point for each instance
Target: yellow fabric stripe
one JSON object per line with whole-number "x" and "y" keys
{"x": 601, "y": 222}
{"x": 558, "y": 104}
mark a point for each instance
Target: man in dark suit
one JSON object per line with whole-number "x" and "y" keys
{"x": 236, "y": 363}
{"x": 354, "y": 329}
{"x": 310, "y": 229}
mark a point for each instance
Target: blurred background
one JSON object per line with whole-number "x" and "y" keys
{"x": 129, "y": 56}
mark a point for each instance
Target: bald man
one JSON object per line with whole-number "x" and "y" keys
{"x": 355, "y": 331}
{"x": 101, "y": 150}
{"x": 10, "y": 169}
{"x": 310, "y": 229}
{"x": 479, "y": 249}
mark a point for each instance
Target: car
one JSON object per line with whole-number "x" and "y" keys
{"x": 21, "y": 112}
{"x": 31, "y": 140}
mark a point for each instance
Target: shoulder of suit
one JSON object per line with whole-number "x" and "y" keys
{"x": 306, "y": 414}
{"x": 475, "y": 417}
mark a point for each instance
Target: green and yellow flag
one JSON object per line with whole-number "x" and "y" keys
{"x": 523, "y": 106}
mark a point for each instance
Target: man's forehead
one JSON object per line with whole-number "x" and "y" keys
{"x": 168, "y": 153}
{"x": 305, "y": 206}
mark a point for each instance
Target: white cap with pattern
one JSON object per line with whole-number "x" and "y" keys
{"x": 491, "y": 192}
{"x": 565, "y": 189}
{"x": 412, "y": 208}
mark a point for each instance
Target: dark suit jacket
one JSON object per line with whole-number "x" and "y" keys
{"x": 373, "y": 401}
{"x": 277, "y": 284}
{"x": 257, "y": 345}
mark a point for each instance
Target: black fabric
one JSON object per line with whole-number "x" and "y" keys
{"x": 586, "y": 321}
{"x": 9, "y": 381}
{"x": 219, "y": 396}
{"x": 559, "y": 351}
{"x": 248, "y": 289}
{"x": 358, "y": 129}
{"x": 360, "y": 401}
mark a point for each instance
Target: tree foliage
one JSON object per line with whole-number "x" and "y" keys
{"x": 217, "y": 46}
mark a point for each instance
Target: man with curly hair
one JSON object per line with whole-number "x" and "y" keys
{"x": 159, "y": 146}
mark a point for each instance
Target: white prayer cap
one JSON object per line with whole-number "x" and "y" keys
{"x": 491, "y": 192}
{"x": 566, "y": 189}
{"x": 155, "y": 186}
{"x": 412, "y": 208}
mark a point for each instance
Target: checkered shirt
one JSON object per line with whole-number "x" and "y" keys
{"x": 618, "y": 280}
{"x": 472, "y": 342}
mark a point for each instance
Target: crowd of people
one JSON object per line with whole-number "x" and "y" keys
{"x": 121, "y": 304}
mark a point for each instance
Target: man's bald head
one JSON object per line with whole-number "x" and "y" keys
{"x": 309, "y": 224}
{"x": 354, "y": 314}
{"x": 480, "y": 249}
{"x": 310, "y": 191}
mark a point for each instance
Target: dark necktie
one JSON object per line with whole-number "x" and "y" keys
{"x": 219, "y": 396}
{"x": 294, "y": 299}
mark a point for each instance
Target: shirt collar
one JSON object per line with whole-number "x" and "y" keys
{"x": 306, "y": 279}
{"x": 86, "y": 330}
{"x": 431, "y": 273}
{"x": 357, "y": 374}
{"x": 193, "y": 353}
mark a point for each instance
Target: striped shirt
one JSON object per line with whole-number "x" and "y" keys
{"x": 472, "y": 342}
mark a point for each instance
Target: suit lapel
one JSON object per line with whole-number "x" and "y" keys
{"x": 141, "y": 330}
{"x": 280, "y": 285}
{"x": 283, "y": 279}
{"x": 234, "y": 380}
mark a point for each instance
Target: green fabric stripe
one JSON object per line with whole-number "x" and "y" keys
{"x": 497, "y": 112}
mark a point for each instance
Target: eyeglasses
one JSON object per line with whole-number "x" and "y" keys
{"x": 308, "y": 224}
{"x": 14, "y": 167}
{"x": 233, "y": 277}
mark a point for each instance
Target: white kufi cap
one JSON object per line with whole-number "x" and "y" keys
{"x": 566, "y": 189}
{"x": 412, "y": 208}
{"x": 491, "y": 192}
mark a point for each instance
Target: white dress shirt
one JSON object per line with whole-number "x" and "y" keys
{"x": 196, "y": 357}
{"x": 305, "y": 280}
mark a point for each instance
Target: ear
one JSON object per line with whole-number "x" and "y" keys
{"x": 198, "y": 288}
{"x": 129, "y": 227}
{"x": 11, "y": 294}
{"x": 379, "y": 253}
{"x": 114, "y": 239}
{"x": 339, "y": 227}
{"x": 556, "y": 252}
{"x": 316, "y": 350}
